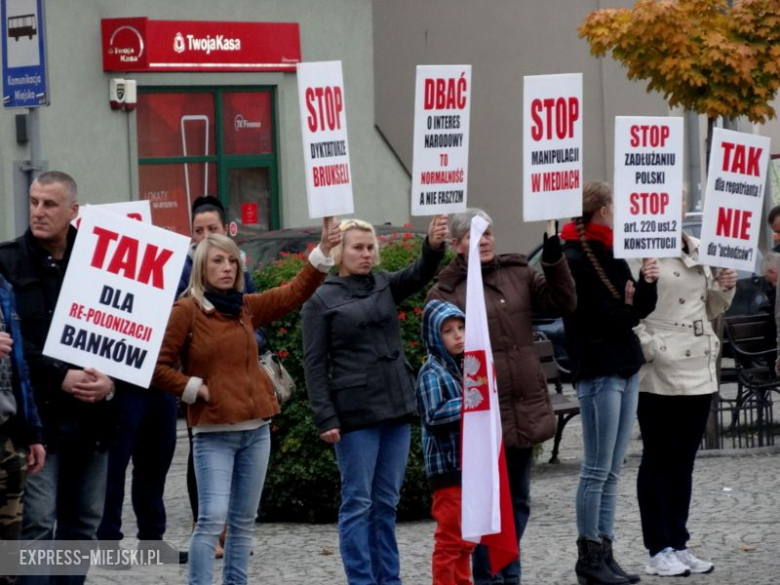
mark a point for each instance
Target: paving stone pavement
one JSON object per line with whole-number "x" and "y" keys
{"x": 735, "y": 522}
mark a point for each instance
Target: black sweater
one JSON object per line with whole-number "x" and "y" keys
{"x": 600, "y": 333}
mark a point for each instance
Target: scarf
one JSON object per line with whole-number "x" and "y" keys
{"x": 229, "y": 303}
{"x": 593, "y": 231}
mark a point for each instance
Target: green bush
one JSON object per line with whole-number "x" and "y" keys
{"x": 302, "y": 484}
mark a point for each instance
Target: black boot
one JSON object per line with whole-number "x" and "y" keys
{"x": 591, "y": 568}
{"x": 613, "y": 565}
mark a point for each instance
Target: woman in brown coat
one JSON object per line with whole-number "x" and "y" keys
{"x": 513, "y": 291}
{"x": 230, "y": 398}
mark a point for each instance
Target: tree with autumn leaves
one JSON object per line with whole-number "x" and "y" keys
{"x": 708, "y": 56}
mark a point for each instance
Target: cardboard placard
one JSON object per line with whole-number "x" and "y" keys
{"x": 137, "y": 210}
{"x": 734, "y": 199}
{"x": 442, "y": 107}
{"x": 116, "y": 296}
{"x": 552, "y": 146}
{"x": 325, "y": 146}
{"x": 648, "y": 186}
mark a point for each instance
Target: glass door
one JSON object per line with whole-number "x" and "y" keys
{"x": 249, "y": 190}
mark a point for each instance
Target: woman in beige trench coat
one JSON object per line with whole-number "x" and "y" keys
{"x": 675, "y": 390}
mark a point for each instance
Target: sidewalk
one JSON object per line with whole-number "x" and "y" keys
{"x": 735, "y": 519}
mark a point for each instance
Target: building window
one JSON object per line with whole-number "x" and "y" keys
{"x": 215, "y": 141}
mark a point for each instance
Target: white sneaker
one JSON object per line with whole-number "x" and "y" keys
{"x": 696, "y": 565}
{"x": 666, "y": 564}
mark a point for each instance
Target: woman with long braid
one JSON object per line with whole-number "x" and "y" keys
{"x": 606, "y": 357}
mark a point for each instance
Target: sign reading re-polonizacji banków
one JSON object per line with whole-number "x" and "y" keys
{"x": 140, "y": 44}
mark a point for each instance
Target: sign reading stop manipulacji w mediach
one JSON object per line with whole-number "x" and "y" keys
{"x": 734, "y": 199}
{"x": 441, "y": 139}
{"x": 116, "y": 296}
{"x": 325, "y": 144}
{"x": 648, "y": 186}
{"x": 552, "y": 146}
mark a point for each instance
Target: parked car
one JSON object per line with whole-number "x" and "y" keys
{"x": 752, "y": 295}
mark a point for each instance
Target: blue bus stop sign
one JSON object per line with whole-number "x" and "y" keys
{"x": 24, "y": 54}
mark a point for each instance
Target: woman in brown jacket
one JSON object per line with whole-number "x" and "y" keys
{"x": 230, "y": 398}
{"x": 513, "y": 291}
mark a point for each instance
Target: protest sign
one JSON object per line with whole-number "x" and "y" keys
{"x": 552, "y": 146}
{"x": 442, "y": 106}
{"x": 116, "y": 296}
{"x": 325, "y": 146}
{"x": 648, "y": 186}
{"x": 137, "y": 210}
{"x": 734, "y": 199}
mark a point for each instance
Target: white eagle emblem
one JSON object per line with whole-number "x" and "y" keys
{"x": 472, "y": 397}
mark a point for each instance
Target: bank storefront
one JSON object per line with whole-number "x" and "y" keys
{"x": 183, "y": 103}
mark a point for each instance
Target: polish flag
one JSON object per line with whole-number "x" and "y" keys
{"x": 486, "y": 504}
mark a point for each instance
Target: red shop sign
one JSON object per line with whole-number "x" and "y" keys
{"x": 140, "y": 44}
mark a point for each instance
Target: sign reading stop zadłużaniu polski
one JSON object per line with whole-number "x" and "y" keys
{"x": 325, "y": 145}
{"x": 552, "y": 146}
{"x": 116, "y": 296}
{"x": 648, "y": 186}
{"x": 734, "y": 199}
{"x": 441, "y": 139}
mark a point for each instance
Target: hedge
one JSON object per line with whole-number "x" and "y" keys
{"x": 302, "y": 484}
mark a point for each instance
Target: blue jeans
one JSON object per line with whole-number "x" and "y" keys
{"x": 230, "y": 468}
{"x": 147, "y": 434}
{"x": 372, "y": 463}
{"x": 607, "y": 410}
{"x": 64, "y": 501}
{"x": 518, "y": 467}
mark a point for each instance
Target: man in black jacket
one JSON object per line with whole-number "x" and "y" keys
{"x": 65, "y": 500}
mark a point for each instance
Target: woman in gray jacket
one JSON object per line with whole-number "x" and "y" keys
{"x": 361, "y": 389}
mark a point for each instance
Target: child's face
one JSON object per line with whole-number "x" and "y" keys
{"x": 453, "y": 335}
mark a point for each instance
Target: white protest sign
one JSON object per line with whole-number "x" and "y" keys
{"x": 648, "y": 186}
{"x": 442, "y": 106}
{"x": 734, "y": 199}
{"x": 116, "y": 296}
{"x": 325, "y": 146}
{"x": 138, "y": 210}
{"x": 552, "y": 146}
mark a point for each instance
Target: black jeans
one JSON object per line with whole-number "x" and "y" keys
{"x": 672, "y": 428}
{"x": 147, "y": 435}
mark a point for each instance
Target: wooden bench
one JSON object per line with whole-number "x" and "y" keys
{"x": 564, "y": 407}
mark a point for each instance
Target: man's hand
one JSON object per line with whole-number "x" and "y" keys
{"x": 331, "y": 436}
{"x": 203, "y": 393}
{"x": 6, "y": 343}
{"x": 35, "y": 458}
{"x": 90, "y": 386}
{"x": 438, "y": 231}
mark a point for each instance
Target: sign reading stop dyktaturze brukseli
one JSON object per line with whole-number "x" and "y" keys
{"x": 325, "y": 145}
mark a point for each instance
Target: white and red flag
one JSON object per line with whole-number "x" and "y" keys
{"x": 487, "y": 506}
